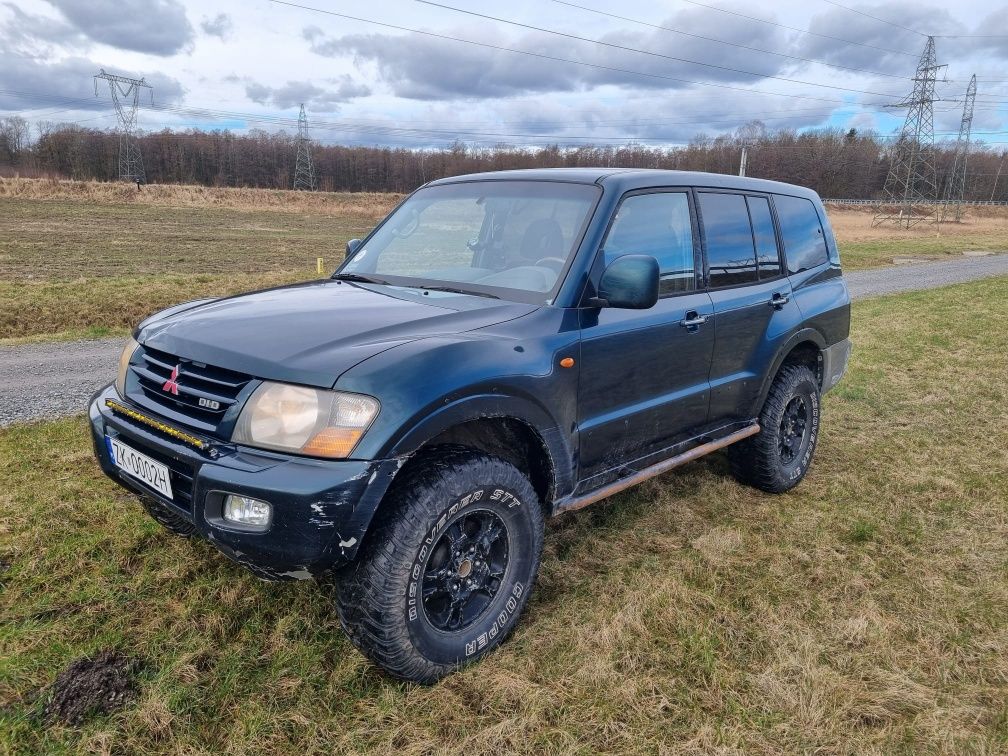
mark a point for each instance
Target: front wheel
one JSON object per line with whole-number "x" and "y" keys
{"x": 448, "y": 570}
{"x": 776, "y": 459}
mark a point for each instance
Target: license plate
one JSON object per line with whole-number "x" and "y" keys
{"x": 139, "y": 466}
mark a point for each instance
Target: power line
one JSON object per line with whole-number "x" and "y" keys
{"x": 725, "y": 42}
{"x": 543, "y": 56}
{"x": 800, "y": 31}
{"x": 627, "y": 48}
{"x": 874, "y": 18}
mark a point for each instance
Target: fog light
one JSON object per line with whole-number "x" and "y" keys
{"x": 243, "y": 510}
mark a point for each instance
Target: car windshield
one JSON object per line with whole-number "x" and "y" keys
{"x": 510, "y": 239}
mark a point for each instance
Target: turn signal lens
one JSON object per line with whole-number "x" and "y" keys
{"x": 333, "y": 442}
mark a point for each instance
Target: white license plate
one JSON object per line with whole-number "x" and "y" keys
{"x": 139, "y": 466}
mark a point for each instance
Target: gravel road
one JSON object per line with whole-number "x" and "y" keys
{"x": 50, "y": 380}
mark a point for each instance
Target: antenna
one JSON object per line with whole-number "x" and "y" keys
{"x": 126, "y": 98}
{"x": 304, "y": 171}
{"x": 911, "y": 188}
{"x": 955, "y": 190}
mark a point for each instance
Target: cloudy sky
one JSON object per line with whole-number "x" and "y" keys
{"x": 414, "y": 73}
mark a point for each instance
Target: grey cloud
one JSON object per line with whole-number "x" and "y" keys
{"x": 69, "y": 82}
{"x": 28, "y": 29}
{"x": 294, "y": 93}
{"x": 420, "y": 67}
{"x": 218, "y": 26}
{"x": 158, "y": 27}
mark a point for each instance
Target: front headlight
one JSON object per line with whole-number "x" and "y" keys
{"x": 305, "y": 420}
{"x": 124, "y": 361}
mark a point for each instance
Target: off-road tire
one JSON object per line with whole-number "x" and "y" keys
{"x": 168, "y": 519}
{"x": 379, "y": 597}
{"x": 759, "y": 461}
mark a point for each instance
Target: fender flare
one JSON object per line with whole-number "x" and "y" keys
{"x": 483, "y": 405}
{"x": 798, "y": 337}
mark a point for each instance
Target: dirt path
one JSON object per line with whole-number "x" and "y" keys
{"x": 50, "y": 380}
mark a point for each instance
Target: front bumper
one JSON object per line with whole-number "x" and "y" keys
{"x": 321, "y": 508}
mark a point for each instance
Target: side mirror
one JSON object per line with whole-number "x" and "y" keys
{"x": 630, "y": 282}
{"x": 351, "y": 246}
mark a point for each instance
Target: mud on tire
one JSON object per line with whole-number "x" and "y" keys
{"x": 776, "y": 459}
{"x": 168, "y": 519}
{"x": 449, "y": 567}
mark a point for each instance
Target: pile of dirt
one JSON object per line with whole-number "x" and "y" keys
{"x": 99, "y": 685}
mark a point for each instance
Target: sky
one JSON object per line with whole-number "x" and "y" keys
{"x": 526, "y": 72}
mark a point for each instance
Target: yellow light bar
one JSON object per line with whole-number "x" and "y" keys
{"x": 156, "y": 424}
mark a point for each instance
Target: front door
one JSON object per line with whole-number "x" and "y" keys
{"x": 644, "y": 373}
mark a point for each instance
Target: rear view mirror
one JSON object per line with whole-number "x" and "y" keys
{"x": 630, "y": 282}
{"x": 351, "y": 246}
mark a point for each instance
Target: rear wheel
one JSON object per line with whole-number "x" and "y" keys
{"x": 777, "y": 458}
{"x": 448, "y": 570}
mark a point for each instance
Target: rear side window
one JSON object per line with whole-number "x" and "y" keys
{"x": 659, "y": 225}
{"x": 767, "y": 256}
{"x": 731, "y": 256}
{"x": 802, "y": 233}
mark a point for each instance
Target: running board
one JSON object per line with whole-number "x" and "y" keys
{"x": 649, "y": 472}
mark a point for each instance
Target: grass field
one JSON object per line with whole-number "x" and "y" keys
{"x": 86, "y": 259}
{"x": 866, "y": 611}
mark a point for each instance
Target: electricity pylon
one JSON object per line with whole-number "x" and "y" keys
{"x": 955, "y": 189}
{"x": 304, "y": 170}
{"x": 126, "y": 98}
{"x": 912, "y": 183}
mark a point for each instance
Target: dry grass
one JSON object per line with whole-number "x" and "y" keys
{"x": 864, "y": 612}
{"x": 79, "y": 258}
{"x": 338, "y": 204}
{"x": 982, "y": 229}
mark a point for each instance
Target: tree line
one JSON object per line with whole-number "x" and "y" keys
{"x": 836, "y": 163}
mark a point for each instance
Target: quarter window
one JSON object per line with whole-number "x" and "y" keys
{"x": 767, "y": 256}
{"x": 731, "y": 256}
{"x": 656, "y": 224}
{"x": 804, "y": 243}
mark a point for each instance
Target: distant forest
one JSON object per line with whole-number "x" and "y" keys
{"x": 836, "y": 163}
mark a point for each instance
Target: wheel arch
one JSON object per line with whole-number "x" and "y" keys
{"x": 805, "y": 347}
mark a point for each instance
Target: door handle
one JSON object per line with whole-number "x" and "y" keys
{"x": 692, "y": 320}
{"x": 778, "y": 300}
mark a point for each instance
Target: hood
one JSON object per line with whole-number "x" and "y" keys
{"x": 312, "y": 333}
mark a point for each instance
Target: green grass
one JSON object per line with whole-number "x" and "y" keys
{"x": 866, "y": 611}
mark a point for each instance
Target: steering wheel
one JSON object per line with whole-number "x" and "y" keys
{"x": 554, "y": 263}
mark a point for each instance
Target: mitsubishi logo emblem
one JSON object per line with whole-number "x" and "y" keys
{"x": 171, "y": 385}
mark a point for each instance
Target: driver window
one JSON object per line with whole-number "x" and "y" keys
{"x": 659, "y": 225}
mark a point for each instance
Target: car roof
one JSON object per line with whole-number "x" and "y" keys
{"x": 628, "y": 179}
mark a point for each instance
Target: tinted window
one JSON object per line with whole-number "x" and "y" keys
{"x": 659, "y": 225}
{"x": 730, "y": 253}
{"x": 767, "y": 257}
{"x": 801, "y": 231}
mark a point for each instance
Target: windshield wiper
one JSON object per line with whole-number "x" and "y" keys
{"x": 456, "y": 290}
{"x": 359, "y": 278}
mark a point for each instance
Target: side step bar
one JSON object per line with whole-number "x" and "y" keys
{"x": 662, "y": 467}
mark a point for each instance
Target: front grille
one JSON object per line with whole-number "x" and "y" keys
{"x": 205, "y": 393}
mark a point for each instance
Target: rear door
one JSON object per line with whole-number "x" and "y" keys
{"x": 644, "y": 372}
{"x": 753, "y": 311}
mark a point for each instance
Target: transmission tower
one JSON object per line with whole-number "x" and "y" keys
{"x": 304, "y": 171}
{"x": 126, "y": 98}
{"x": 955, "y": 189}
{"x": 911, "y": 188}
